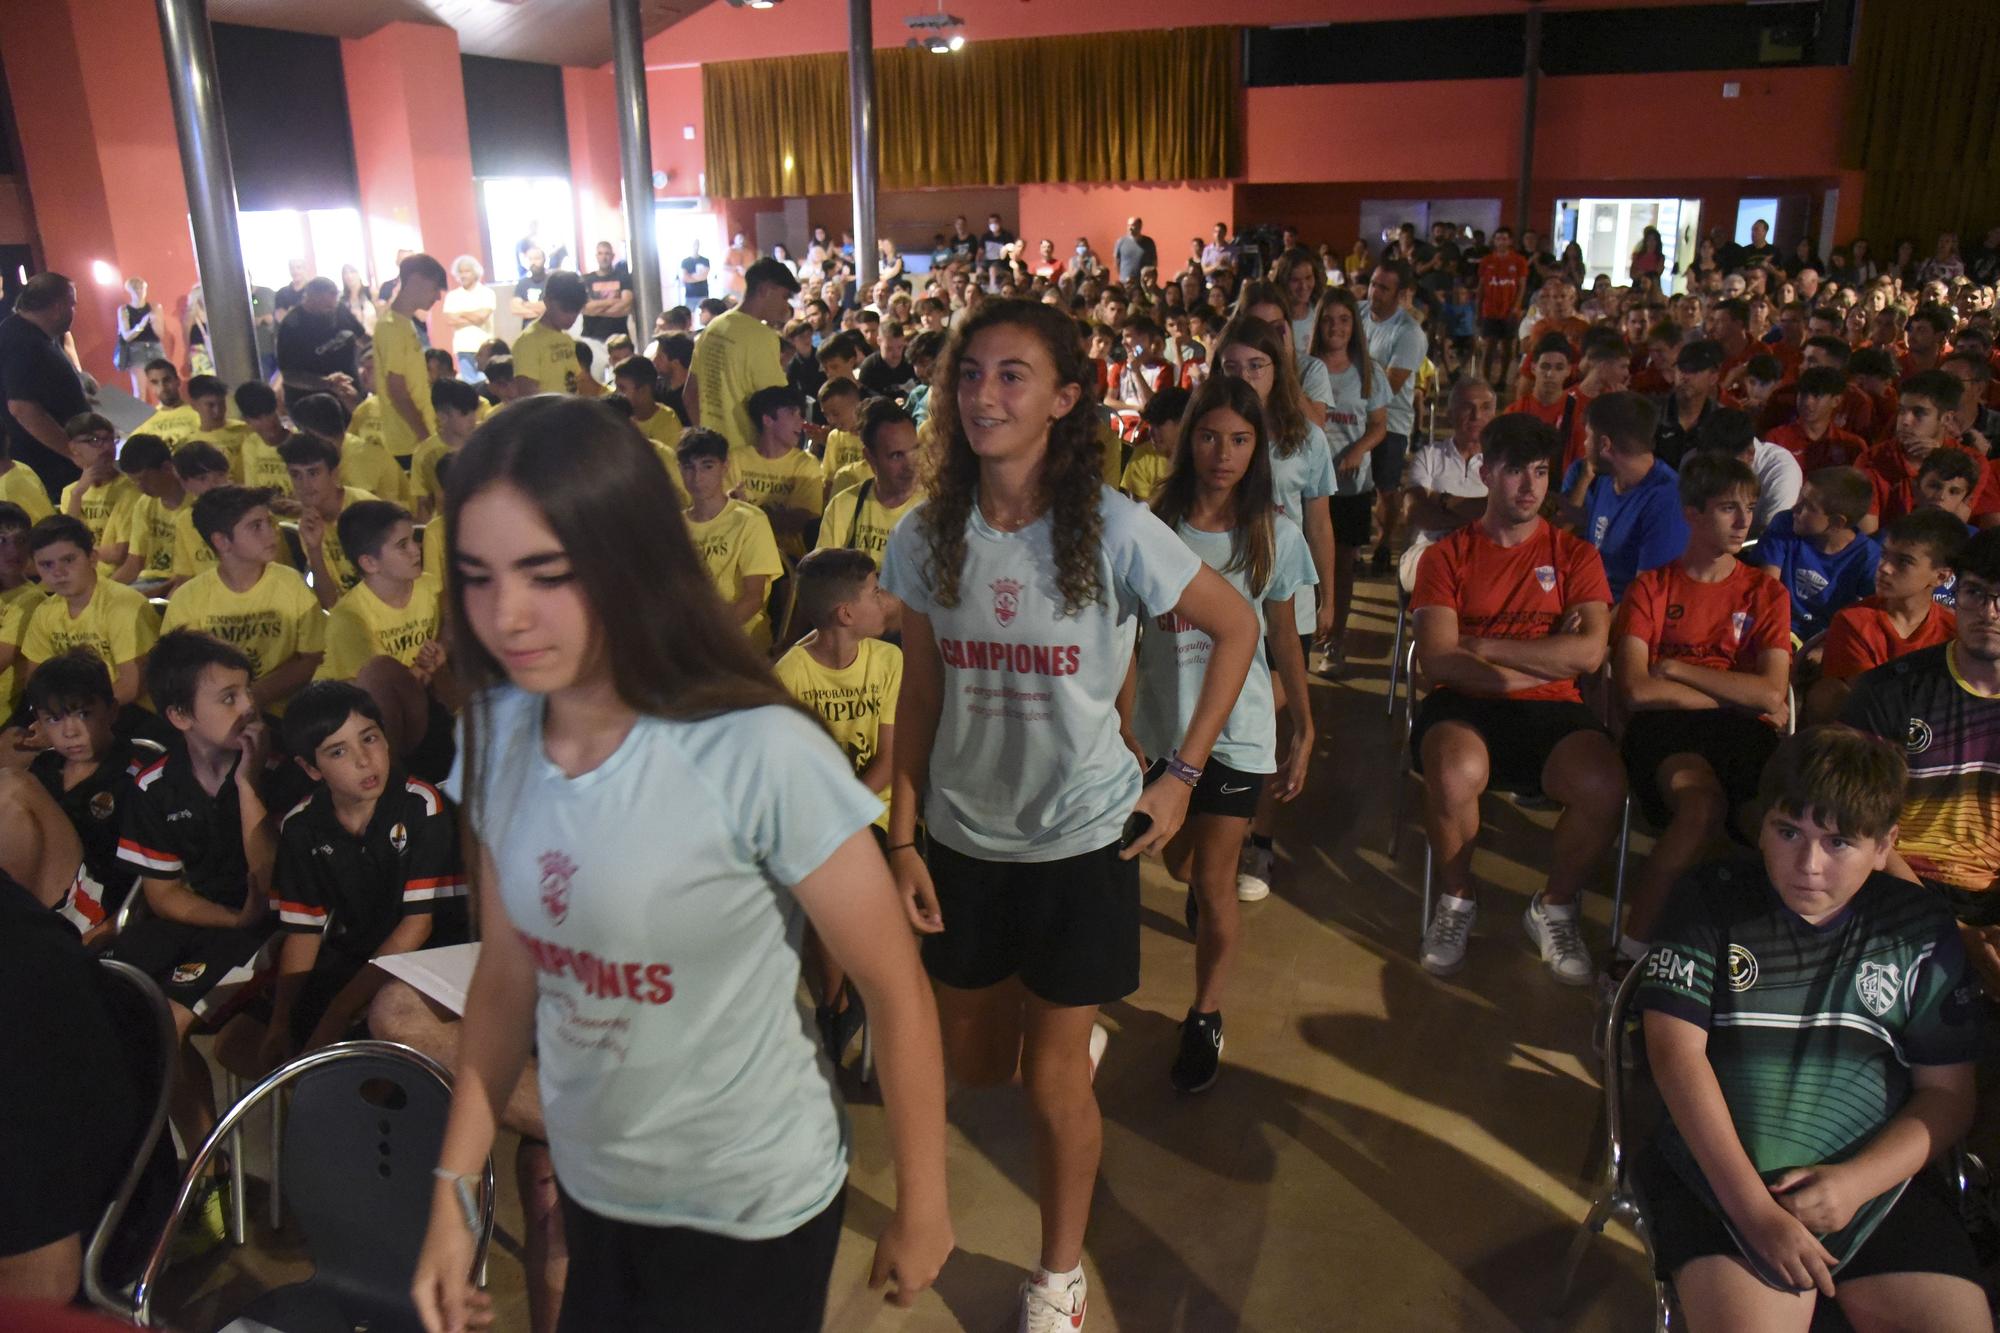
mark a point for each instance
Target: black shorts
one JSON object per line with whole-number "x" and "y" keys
{"x": 1736, "y": 745}
{"x": 1225, "y": 791}
{"x": 1921, "y": 1234}
{"x": 330, "y": 975}
{"x": 1504, "y": 329}
{"x": 1353, "y": 519}
{"x": 1387, "y": 461}
{"x": 1069, "y": 929}
{"x": 208, "y": 970}
{"x": 641, "y": 1279}
{"x": 1520, "y": 734}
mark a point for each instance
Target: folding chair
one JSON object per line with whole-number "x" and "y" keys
{"x": 145, "y": 1027}
{"x": 1397, "y": 666}
{"x": 368, "y": 1120}
{"x": 1617, "y": 1192}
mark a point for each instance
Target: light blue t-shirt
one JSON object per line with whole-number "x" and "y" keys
{"x": 1820, "y": 584}
{"x": 1347, "y": 422}
{"x": 1312, "y": 379}
{"x": 1634, "y": 530}
{"x": 1307, "y": 474}
{"x": 1027, "y": 764}
{"x": 678, "y": 1081}
{"x": 1173, "y": 657}
{"x": 1397, "y": 343}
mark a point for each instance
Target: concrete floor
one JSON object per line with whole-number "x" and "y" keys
{"x": 1384, "y": 1150}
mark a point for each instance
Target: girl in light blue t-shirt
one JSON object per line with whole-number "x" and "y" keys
{"x": 1217, "y": 498}
{"x": 655, "y": 821}
{"x": 1023, "y": 579}
{"x": 1356, "y": 421}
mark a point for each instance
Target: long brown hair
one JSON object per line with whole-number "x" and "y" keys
{"x": 675, "y": 651}
{"x": 1285, "y": 409}
{"x": 1252, "y": 539}
{"x": 1288, "y": 264}
{"x": 1357, "y": 337}
{"x": 1072, "y": 472}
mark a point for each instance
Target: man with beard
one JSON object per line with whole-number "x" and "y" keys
{"x": 319, "y": 344}
{"x": 40, "y": 386}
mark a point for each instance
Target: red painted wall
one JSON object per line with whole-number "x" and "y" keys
{"x": 591, "y": 110}
{"x": 412, "y": 150}
{"x": 1171, "y": 214}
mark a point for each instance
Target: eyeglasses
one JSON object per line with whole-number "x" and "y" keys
{"x": 1969, "y": 597}
{"x": 98, "y": 437}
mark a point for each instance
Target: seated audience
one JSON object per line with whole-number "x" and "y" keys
{"x": 85, "y": 610}
{"x": 257, "y": 448}
{"x": 1817, "y": 551}
{"x": 1903, "y": 616}
{"x": 1730, "y": 433}
{"x": 733, "y": 537}
{"x": 840, "y": 403}
{"x": 455, "y": 404}
{"x": 364, "y": 464}
{"x": 1814, "y": 437}
{"x": 1620, "y": 497}
{"x": 774, "y": 473}
{"x": 102, "y": 496}
{"x": 88, "y": 771}
{"x": 150, "y": 525}
{"x": 314, "y": 465}
{"x": 885, "y": 484}
{"x": 19, "y": 596}
{"x": 1443, "y": 476}
{"x": 1153, "y": 456}
{"x": 1697, "y": 371}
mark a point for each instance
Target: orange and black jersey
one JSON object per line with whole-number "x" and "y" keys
{"x": 95, "y": 808}
{"x": 173, "y": 829}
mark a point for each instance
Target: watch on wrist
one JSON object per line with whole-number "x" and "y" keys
{"x": 1180, "y": 768}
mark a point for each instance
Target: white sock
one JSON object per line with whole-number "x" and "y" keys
{"x": 1629, "y": 948}
{"x": 1568, "y": 909}
{"x": 1057, "y": 1280}
{"x": 1455, "y": 903}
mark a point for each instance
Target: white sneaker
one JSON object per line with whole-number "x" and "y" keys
{"x": 1444, "y": 939}
{"x": 1046, "y": 1309}
{"x": 1253, "y": 873}
{"x": 1556, "y": 932}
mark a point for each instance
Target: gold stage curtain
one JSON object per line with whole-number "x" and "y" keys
{"x": 1131, "y": 106}
{"x": 1923, "y": 120}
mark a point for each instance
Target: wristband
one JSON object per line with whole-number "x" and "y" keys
{"x": 899, "y": 846}
{"x": 462, "y": 1185}
{"x": 1180, "y": 768}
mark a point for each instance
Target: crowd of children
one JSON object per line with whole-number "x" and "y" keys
{"x": 1050, "y": 560}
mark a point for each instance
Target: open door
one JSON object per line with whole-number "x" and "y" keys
{"x": 1684, "y": 243}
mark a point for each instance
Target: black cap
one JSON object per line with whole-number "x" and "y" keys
{"x": 771, "y": 271}
{"x": 1699, "y": 355}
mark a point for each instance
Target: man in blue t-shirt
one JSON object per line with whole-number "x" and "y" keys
{"x": 1619, "y": 497}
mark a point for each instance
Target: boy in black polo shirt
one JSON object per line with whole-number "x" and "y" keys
{"x": 88, "y": 771}
{"x": 203, "y": 841}
{"x": 1810, "y": 1022}
{"x": 367, "y": 865}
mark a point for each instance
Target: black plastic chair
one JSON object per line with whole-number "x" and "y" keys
{"x": 118, "y": 1245}
{"x": 365, "y": 1128}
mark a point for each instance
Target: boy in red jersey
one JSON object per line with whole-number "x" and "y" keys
{"x": 1503, "y": 286}
{"x": 1919, "y": 553}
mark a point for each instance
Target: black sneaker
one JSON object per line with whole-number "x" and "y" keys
{"x": 1200, "y": 1057}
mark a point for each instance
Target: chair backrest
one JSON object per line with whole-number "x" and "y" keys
{"x": 145, "y": 1028}
{"x": 1613, "y": 1045}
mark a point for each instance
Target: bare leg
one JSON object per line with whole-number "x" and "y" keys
{"x": 1914, "y": 1303}
{"x": 982, "y": 1032}
{"x": 1343, "y": 594}
{"x": 192, "y": 1105}
{"x": 1584, "y": 774}
{"x": 545, "y": 1252}
{"x": 1068, "y": 1131}
{"x": 1698, "y": 806}
{"x": 399, "y": 1012}
{"x": 48, "y": 1275}
{"x": 1719, "y": 1294}
{"x": 1455, "y": 774}
{"x": 37, "y": 845}
{"x": 1218, "y": 929}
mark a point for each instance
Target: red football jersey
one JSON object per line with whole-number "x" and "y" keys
{"x": 1862, "y": 637}
{"x": 1512, "y": 592}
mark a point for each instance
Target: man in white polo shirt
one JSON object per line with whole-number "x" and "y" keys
{"x": 1443, "y": 476}
{"x": 1397, "y": 344}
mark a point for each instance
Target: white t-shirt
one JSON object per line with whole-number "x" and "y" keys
{"x": 1437, "y": 467}
{"x": 1306, "y": 475}
{"x": 1027, "y": 764}
{"x": 1347, "y": 421}
{"x": 1779, "y": 480}
{"x": 678, "y": 1081}
{"x": 1313, "y": 379}
{"x": 470, "y": 301}
{"x": 1397, "y": 343}
{"x": 1173, "y": 657}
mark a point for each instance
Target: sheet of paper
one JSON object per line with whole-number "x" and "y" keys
{"x": 442, "y": 975}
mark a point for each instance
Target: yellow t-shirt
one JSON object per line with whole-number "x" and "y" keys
{"x": 1114, "y": 449}
{"x": 228, "y": 439}
{"x": 398, "y": 351}
{"x": 362, "y": 626}
{"x": 117, "y": 624}
{"x": 366, "y": 465}
{"x": 736, "y": 355}
{"x": 104, "y": 509}
{"x": 150, "y": 526}
{"x": 273, "y": 622}
{"x": 871, "y": 534}
{"x": 548, "y": 357}
{"x": 367, "y": 419}
{"x": 856, "y": 703}
{"x": 792, "y": 480}
{"x": 843, "y": 449}
{"x": 262, "y": 467}
{"x": 337, "y": 562}
{"x": 172, "y": 424}
{"x": 16, "y": 605}
{"x": 1143, "y": 475}
{"x": 20, "y": 484}
{"x": 423, "y": 476}
{"x": 663, "y": 428}
{"x": 193, "y": 555}
{"x": 736, "y": 545}
{"x": 849, "y": 477}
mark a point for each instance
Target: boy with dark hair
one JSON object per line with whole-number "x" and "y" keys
{"x": 840, "y": 406}
{"x": 201, "y": 469}
{"x": 209, "y": 396}
{"x": 1619, "y": 497}
{"x": 384, "y": 635}
{"x": 1903, "y": 616}
{"x": 733, "y": 537}
{"x": 364, "y": 464}
{"x": 1605, "y": 366}
{"x": 1547, "y": 399}
{"x": 1509, "y": 610}
{"x": 1758, "y": 388}
{"x": 1872, "y": 372}
{"x": 500, "y": 386}
{"x": 545, "y": 359}
{"x": 1948, "y": 479}
{"x": 264, "y": 430}
{"x": 88, "y": 771}
{"x": 402, "y": 376}
{"x": 1701, "y": 653}
{"x": 1153, "y": 456}
{"x": 638, "y": 380}
{"x": 455, "y": 405}
{"x": 173, "y": 420}
{"x": 875, "y": 493}
{"x": 1697, "y": 373}
{"x": 314, "y": 465}
{"x": 202, "y": 840}
{"x": 775, "y": 474}
{"x": 1818, "y": 553}
{"x": 886, "y": 372}
{"x": 368, "y": 865}
{"x": 1810, "y": 1024}
{"x": 1730, "y": 433}
{"x": 1146, "y": 370}
{"x": 1924, "y": 403}
{"x": 673, "y": 355}
{"x": 249, "y": 600}
{"x": 101, "y": 497}
{"x": 840, "y": 356}
{"x": 85, "y": 610}
{"x": 19, "y": 596}
{"x": 1812, "y": 437}
{"x": 150, "y": 524}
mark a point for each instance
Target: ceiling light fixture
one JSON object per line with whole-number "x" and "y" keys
{"x": 937, "y": 33}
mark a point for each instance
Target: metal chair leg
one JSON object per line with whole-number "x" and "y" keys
{"x": 1618, "y": 873}
{"x": 238, "y": 1225}
{"x": 277, "y": 1156}
{"x": 1396, "y": 653}
{"x": 1430, "y": 892}
{"x": 1593, "y": 1227}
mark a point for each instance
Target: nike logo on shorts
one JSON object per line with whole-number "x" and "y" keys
{"x": 1228, "y": 790}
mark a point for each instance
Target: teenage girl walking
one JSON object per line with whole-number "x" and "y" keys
{"x": 1023, "y": 577}
{"x": 654, "y": 822}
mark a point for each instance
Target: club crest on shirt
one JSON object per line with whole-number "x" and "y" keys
{"x": 399, "y": 837}
{"x": 1546, "y": 576}
{"x": 1919, "y": 736}
{"x": 187, "y": 973}
{"x": 557, "y": 872}
{"x": 1878, "y": 984}
{"x": 1742, "y": 968}
{"x": 103, "y": 805}
{"x": 1738, "y": 622}
{"x": 1006, "y": 600}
